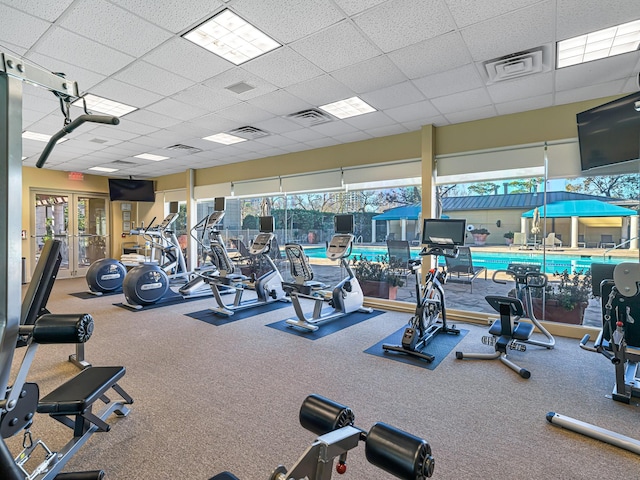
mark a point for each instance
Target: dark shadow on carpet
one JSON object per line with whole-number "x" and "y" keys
{"x": 439, "y": 347}
{"x": 326, "y": 328}
{"x": 171, "y": 298}
{"x": 88, "y": 295}
{"x": 210, "y": 317}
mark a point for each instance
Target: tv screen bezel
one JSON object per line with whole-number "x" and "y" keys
{"x": 266, "y": 224}
{"x": 340, "y": 223}
{"x": 219, "y": 204}
{"x": 587, "y": 132}
{"x": 457, "y": 242}
{"x": 146, "y": 186}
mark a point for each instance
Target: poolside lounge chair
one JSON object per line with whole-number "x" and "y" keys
{"x": 606, "y": 241}
{"x": 551, "y": 241}
{"x": 399, "y": 256}
{"x": 581, "y": 242}
{"x": 461, "y": 269}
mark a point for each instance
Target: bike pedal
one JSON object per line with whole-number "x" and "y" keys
{"x": 491, "y": 341}
{"x": 519, "y": 347}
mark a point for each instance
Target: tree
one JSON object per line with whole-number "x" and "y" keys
{"x": 618, "y": 186}
{"x": 403, "y": 196}
{"x": 525, "y": 186}
{"x": 483, "y": 188}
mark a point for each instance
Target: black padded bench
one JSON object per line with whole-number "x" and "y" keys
{"x": 77, "y": 396}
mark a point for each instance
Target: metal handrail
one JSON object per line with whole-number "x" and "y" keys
{"x": 622, "y": 244}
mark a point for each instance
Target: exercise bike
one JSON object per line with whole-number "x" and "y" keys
{"x": 151, "y": 283}
{"x": 442, "y": 238}
{"x": 509, "y": 332}
{"x": 618, "y": 341}
{"x": 396, "y": 452}
{"x": 346, "y": 296}
{"x": 267, "y": 284}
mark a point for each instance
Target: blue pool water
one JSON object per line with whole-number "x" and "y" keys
{"x": 497, "y": 260}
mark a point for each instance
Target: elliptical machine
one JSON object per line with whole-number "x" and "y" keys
{"x": 346, "y": 297}
{"x": 267, "y": 285}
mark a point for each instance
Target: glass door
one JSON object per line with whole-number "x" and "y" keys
{"x": 79, "y": 221}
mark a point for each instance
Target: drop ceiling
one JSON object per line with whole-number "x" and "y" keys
{"x": 416, "y": 62}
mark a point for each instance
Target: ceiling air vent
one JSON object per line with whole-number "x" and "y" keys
{"x": 250, "y": 133}
{"x": 98, "y": 140}
{"x": 516, "y": 65}
{"x": 123, "y": 162}
{"x": 183, "y": 148}
{"x": 240, "y": 87}
{"x": 310, "y": 117}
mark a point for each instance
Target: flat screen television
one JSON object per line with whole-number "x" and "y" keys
{"x": 343, "y": 223}
{"x": 610, "y": 133}
{"x": 266, "y": 224}
{"x": 131, "y": 190}
{"x": 218, "y": 204}
{"x": 441, "y": 231}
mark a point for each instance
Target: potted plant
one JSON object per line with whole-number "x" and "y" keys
{"x": 565, "y": 298}
{"x": 377, "y": 277}
{"x": 480, "y": 235}
{"x": 508, "y": 237}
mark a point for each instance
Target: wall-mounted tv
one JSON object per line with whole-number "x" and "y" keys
{"x": 445, "y": 232}
{"x": 266, "y": 224}
{"x": 131, "y": 190}
{"x": 343, "y": 223}
{"x": 610, "y": 133}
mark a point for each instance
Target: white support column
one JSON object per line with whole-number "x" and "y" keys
{"x": 373, "y": 231}
{"x": 403, "y": 224}
{"x": 574, "y": 232}
{"x": 523, "y": 225}
{"x": 633, "y": 223}
{"x": 192, "y": 219}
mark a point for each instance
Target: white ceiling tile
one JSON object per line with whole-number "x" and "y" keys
{"x": 399, "y": 23}
{"x": 149, "y": 142}
{"x": 370, "y": 75}
{"x": 511, "y": 90}
{"x": 244, "y": 114}
{"x": 48, "y": 10}
{"x": 179, "y": 110}
{"x": 352, "y": 7}
{"x": 272, "y": 152}
{"x": 462, "y": 101}
{"x": 152, "y": 119}
{"x": 304, "y": 135}
{"x": 466, "y": 13}
{"x": 76, "y": 50}
{"x": 123, "y": 92}
{"x": 283, "y": 67}
{"x": 12, "y": 49}
{"x": 333, "y": 128}
{"x": 187, "y": 59}
{"x": 327, "y": 48}
{"x": 352, "y": 137}
{"x": 452, "y": 81}
{"x": 321, "y": 90}
{"x": 277, "y": 125}
{"x": 214, "y": 124}
{"x": 205, "y": 97}
{"x": 174, "y": 15}
{"x": 432, "y": 56}
{"x": 526, "y": 104}
{"x": 516, "y": 31}
{"x": 274, "y": 141}
{"x": 188, "y": 129}
{"x": 589, "y": 92}
{"x": 114, "y": 27}
{"x": 279, "y": 102}
{"x": 149, "y": 77}
{"x": 20, "y": 29}
{"x": 413, "y": 111}
{"x": 369, "y": 120}
{"x": 393, "y": 96}
{"x": 109, "y": 132}
{"x": 577, "y": 17}
{"x": 220, "y": 82}
{"x": 135, "y": 127}
{"x": 471, "y": 114}
{"x": 288, "y": 20}
{"x": 601, "y": 71}
{"x": 321, "y": 142}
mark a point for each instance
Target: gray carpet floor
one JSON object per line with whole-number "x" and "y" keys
{"x": 212, "y": 398}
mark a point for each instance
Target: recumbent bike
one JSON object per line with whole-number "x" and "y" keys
{"x": 397, "y": 452}
{"x": 442, "y": 238}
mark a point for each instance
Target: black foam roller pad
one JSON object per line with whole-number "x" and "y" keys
{"x": 321, "y": 415}
{"x": 63, "y": 328}
{"x": 398, "y": 453}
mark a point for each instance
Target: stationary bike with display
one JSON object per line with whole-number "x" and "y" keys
{"x": 441, "y": 237}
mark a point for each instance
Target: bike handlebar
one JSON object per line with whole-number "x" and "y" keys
{"x": 108, "y": 119}
{"x": 525, "y": 276}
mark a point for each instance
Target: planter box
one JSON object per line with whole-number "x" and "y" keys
{"x": 479, "y": 238}
{"x": 371, "y": 288}
{"x": 554, "y": 312}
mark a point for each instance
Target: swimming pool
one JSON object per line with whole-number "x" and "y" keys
{"x": 496, "y": 260}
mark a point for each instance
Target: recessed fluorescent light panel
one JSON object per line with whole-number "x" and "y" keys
{"x": 230, "y": 37}
{"x": 40, "y": 137}
{"x": 603, "y": 43}
{"x": 150, "y": 156}
{"x": 225, "y": 138}
{"x": 104, "y": 105}
{"x": 103, "y": 169}
{"x": 350, "y": 107}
